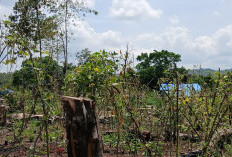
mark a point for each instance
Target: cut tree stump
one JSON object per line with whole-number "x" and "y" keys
{"x": 3, "y": 110}
{"x": 82, "y": 127}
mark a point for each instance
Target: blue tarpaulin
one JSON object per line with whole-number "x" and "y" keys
{"x": 186, "y": 88}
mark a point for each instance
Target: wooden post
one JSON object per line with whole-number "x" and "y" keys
{"x": 82, "y": 127}
{"x": 3, "y": 110}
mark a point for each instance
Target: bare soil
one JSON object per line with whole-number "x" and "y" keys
{"x": 58, "y": 149}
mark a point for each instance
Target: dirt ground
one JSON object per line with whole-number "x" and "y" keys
{"x": 22, "y": 150}
{"x": 59, "y": 149}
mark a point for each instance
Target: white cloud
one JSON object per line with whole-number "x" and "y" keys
{"x": 210, "y": 51}
{"x": 205, "y": 45}
{"x": 87, "y": 37}
{"x": 174, "y": 20}
{"x": 131, "y": 9}
{"x": 213, "y": 51}
{"x": 172, "y": 37}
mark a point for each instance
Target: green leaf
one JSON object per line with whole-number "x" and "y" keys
{"x": 89, "y": 77}
{"x": 38, "y": 124}
{"x": 35, "y": 50}
{"x": 22, "y": 42}
{"x": 25, "y": 54}
{"x": 57, "y": 112}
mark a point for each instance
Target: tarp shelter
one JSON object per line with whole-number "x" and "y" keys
{"x": 186, "y": 88}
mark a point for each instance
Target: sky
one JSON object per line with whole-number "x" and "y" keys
{"x": 199, "y": 30}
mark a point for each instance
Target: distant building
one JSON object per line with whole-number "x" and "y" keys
{"x": 184, "y": 88}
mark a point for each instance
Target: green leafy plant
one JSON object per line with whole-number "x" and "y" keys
{"x": 93, "y": 76}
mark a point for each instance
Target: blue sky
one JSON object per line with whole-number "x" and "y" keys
{"x": 201, "y": 31}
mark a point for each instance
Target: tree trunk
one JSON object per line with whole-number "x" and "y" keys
{"x": 66, "y": 38}
{"x": 82, "y": 127}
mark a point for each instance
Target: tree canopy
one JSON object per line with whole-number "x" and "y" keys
{"x": 154, "y": 66}
{"x": 49, "y": 71}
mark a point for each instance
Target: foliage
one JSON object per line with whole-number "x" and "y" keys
{"x": 93, "y": 76}
{"x": 153, "y": 66}
{"x": 48, "y": 67}
{"x": 203, "y": 80}
{"x": 201, "y": 113}
{"x": 152, "y": 99}
{"x": 5, "y": 79}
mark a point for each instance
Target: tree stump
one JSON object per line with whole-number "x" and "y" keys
{"x": 82, "y": 127}
{"x": 3, "y": 110}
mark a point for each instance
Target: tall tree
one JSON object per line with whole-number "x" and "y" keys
{"x": 29, "y": 26}
{"x": 153, "y": 66}
{"x": 66, "y": 10}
